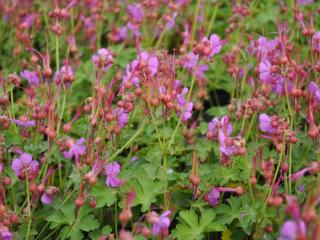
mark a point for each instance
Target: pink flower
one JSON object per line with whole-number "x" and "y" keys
{"x": 151, "y": 61}
{"x": 213, "y": 197}
{"x": 215, "y": 44}
{"x": 304, "y": 2}
{"x": 290, "y": 230}
{"x": 25, "y": 166}
{"x": 31, "y": 77}
{"x": 171, "y": 21}
{"x": 187, "y": 112}
{"x": 121, "y": 34}
{"x": 24, "y": 123}
{"x": 5, "y": 233}
{"x": 265, "y": 71}
{"x": 112, "y": 171}
{"x": 103, "y": 59}
{"x": 265, "y": 123}
{"x": 46, "y": 199}
{"x": 299, "y": 174}
{"x": 314, "y": 90}
{"x": 316, "y": 42}
{"x": 121, "y": 116}
{"x": 65, "y": 75}
{"x": 96, "y": 169}
{"x": 76, "y": 149}
{"x": 136, "y": 12}
{"x": 161, "y": 225}
{"x": 190, "y": 61}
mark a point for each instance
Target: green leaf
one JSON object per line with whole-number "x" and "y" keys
{"x": 87, "y": 223}
{"x": 68, "y": 212}
{"x": 146, "y": 192}
{"x": 190, "y": 217}
{"x": 193, "y": 227}
{"x": 105, "y": 196}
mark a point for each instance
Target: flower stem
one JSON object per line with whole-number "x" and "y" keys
{"x": 29, "y": 207}
{"x": 194, "y": 24}
{"x": 127, "y": 143}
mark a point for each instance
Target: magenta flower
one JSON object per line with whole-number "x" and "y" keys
{"x": 181, "y": 98}
{"x": 314, "y": 90}
{"x": 281, "y": 85}
{"x": 24, "y": 123}
{"x": 121, "y": 116}
{"x": 187, "y": 113}
{"x": 151, "y": 61}
{"x": 131, "y": 75}
{"x": 265, "y": 123}
{"x": 161, "y": 225}
{"x": 213, "y": 197}
{"x": 75, "y": 149}
{"x": 25, "y": 166}
{"x": 265, "y": 71}
{"x": 121, "y": 34}
{"x": 213, "y": 128}
{"x": 226, "y": 146}
{"x": 96, "y": 169}
{"x": 171, "y": 21}
{"x": 112, "y": 171}
{"x": 222, "y": 130}
{"x": 136, "y": 12}
{"x": 5, "y": 233}
{"x": 316, "y": 42}
{"x": 65, "y": 74}
{"x": 46, "y": 198}
{"x": 202, "y": 68}
{"x": 31, "y": 77}
{"x": 190, "y": 61}
{"x": 134, "y": 29}
{"x": 304, "y": 2}
{"x": 290, "y": 230}
{"x": 103, "y": 59}
{"x": 214, "y": 43}
{"x": 299, "y": 174}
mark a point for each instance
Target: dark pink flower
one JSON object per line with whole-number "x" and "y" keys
{"x": 46, "y": 199}
{"x": 290, "y": 230}
{"x": 265, "y": 123}
{"x": 65, "y": 74}
{"x": 24, "y": 124}
{"x": 299, "y": 174}
{"x": 112, "y": 171}
{"x": 314, "y": 90}
{"x": 171, "y": 21}
{"x": 316, "y": 42}
{"x": 304, "y": 2}
{"x": 214, "y": 43}
{"x": 121, "y": 34}
{"x": 25, "y": 166}
{"x": 265, "y": 71}
{"x": 31, "y": 77}
{"x": 161, "y": 225}
{"x": 187, "y": 113}
{"x": 5, "y": 233}
{"x": 103, "y": 59}
{"x": 121, "y": 116}
{"x": 75, "y": 149}
{"x": 96, "y": 169}
{"x": 151, "y": 61}
{"x": 136, "y": 12}
{"x": 213, "y": 197}
{"x": 190, "y": 61}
